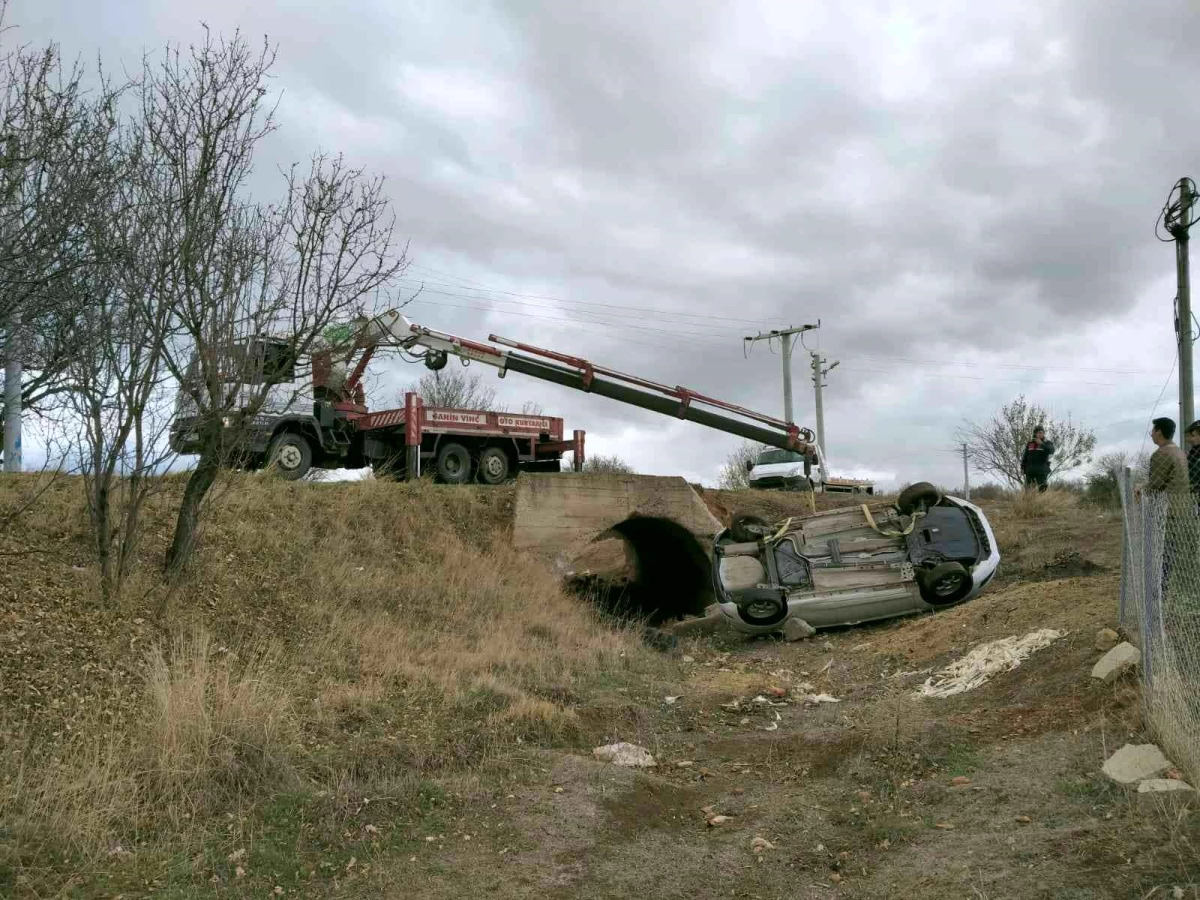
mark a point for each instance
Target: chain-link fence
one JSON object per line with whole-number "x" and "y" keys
{"x": 1160, "y": 611}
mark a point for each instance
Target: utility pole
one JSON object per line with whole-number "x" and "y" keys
{"x": 12, "y": 398}
{"x": 788, "y": 336}
{"x": 966, "y": 474}
{"x": 819, "y": 371}
{"x": 1178, "y": 222}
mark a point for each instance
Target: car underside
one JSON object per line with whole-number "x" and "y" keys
{"x": 853, "y": 564}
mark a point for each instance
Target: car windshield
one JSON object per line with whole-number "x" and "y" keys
{"x": 773, "y": 457}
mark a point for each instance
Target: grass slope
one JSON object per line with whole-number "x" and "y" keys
{"x": 362, "y": 691}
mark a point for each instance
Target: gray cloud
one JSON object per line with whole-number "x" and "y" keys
{"x": 966, "y": 186}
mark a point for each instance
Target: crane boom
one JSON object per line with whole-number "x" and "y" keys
{"x": 580, "y": 374}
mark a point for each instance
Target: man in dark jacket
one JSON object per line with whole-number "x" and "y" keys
{"x": 1192, "y": 438}
{"x": 1035, "y": 461}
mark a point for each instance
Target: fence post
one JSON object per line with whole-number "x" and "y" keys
{"x": 1124, "y": 482}
{"x": 1147, "y": 588}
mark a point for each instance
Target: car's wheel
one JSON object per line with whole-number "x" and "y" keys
{"x": 919, "y": 496}
{"x": 761, "y": 606}
{"x": 454, "y": 464}
{"x": 745, "y": 528}
{"x": 290, "y": 455}
{"x": 944, "y": 584}
{"x": 493, "y": 466}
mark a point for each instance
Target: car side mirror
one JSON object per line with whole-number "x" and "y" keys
{"x": 749, "y": 465}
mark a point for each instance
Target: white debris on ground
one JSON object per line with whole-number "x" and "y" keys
{"x": 623, "y": 754}
{"x": 986, "y": 660}
{"x": 814, "y": 699}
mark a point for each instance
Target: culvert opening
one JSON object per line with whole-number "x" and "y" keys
{"x": 671, "y": 574}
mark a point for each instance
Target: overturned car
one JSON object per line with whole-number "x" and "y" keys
{"x": 855, "y": 564}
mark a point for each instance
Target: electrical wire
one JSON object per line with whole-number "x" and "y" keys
{"x": 1173, "y": 210}
{"x": 573, "y": 325}
{"x": 713, "y": 339}
{"x": 476, "y": 286}
{"x": 1154, "y": 408}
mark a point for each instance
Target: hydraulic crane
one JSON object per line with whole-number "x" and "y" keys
{"x": 392, "y": 328}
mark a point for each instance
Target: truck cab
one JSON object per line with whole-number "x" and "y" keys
{"x": 776, "y": 469}
{"x": 268, "y": 369}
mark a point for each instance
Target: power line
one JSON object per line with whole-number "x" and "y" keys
{"x": 608, "y": 318}
{"x": 476, "y": 286}
{"x": 708, "y": 346}
{"x": 714, "y": 330}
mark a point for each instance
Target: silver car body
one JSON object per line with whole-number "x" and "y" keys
{"x": 834, "y": 568}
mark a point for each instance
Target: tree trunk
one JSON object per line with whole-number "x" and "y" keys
{"x": 198, "y": 485}
{"x": 103, "y": 526}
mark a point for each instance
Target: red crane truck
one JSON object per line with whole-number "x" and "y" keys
{"x": 323, "y": 420}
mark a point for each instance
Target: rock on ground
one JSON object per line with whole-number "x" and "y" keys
{"x": 1106, "y": 639}
{"x": 1116, "y": 662}
{"x": 796, "y": 629}
{"x": 623, "y": 754}
{"x": 1155, "y": 791}
{"x": 1136, "y": 762}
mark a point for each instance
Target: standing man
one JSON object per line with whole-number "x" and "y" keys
{"x": 1168, "y": 465}
{"x": 1035, "y": 461}
{"x": 1192, "y": 438}
{"x": 1168, "y": 479}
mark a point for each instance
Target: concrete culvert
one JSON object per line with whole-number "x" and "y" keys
{"x": 669, "y": 577}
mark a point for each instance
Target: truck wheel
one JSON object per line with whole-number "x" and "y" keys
{"x": 918, "y": 496}
{"x": 944, "y": 584}
{"x": 290, "y": 455}
{"x": 745, "y": 528}
{"x": 454, "y": 464}
{"x": 493, "y": 466}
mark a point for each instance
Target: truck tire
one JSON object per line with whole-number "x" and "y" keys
{"x": 454, "y": 464}
{"x": 918, "y": 496}
{"x": 746, "y": 528}
{"x": 493, "y": 466}
{"x": 944, "y": 584}
{"x": 290, "y": 455}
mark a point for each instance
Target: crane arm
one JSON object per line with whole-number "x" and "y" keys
{"x": 393, "y": 328}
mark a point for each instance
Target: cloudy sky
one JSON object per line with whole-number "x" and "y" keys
{"x": 964, "y": 195}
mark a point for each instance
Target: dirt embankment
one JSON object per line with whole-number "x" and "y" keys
{"x": 362, "y": 687}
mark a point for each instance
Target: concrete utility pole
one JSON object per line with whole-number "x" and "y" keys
{"x": 1178, "y": 222}
{"x": 12, "y": 399}
{"x": 966, "y": 475}
{"x": 788, "y": 336}
{"x": 819, "y": 371}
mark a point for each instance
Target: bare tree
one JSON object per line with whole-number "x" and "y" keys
{"x": 458, "y": 388}
{"x": 735, "y": 474}
{"x": 606, "y": 465}
{"x": 996, "y": 446}
{"x": 454, "y": 387}
{"x": 49, "y": 173}
{"x": 117, "y": 374}
{"x": 232, "y": 273}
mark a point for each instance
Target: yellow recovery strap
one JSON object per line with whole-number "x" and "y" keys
{"x": 907, "y": 531}
{"x": 781, "y": 532}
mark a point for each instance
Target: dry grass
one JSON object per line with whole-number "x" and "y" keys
{"x": 217, "y": 725}
{"x": 1033, "y": 505}
{"x": 394, "y": 673}
{"x": 323, "y": 635}
{"x": 215, "y": 731}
